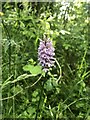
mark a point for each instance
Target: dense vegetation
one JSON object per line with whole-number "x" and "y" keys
{"x": 27, "y": 91}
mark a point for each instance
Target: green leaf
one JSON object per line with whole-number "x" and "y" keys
{"x": 88, "y": 118}
{"x": 35, "y": 99}
{"x": 64, "y": 32}
{"x": 34, "y": 70}
{"x": 47, "y": 25}
{"x": 28, "y": 67}
{"x": 43, "y": 73}
{"x": 48, "y": 86}
{"x": 35, "y": 93}
{"x": 31, "y": 110}
{"x": 16, "y": 89}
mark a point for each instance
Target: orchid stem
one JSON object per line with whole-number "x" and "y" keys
{"x": 60, "y": 71}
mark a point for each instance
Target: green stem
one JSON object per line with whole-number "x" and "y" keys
{"x": 60, "y": 71}
{"x": 41, "y": 93}
{"x": 9, "y": 49}
{"x": 9, "y": 60}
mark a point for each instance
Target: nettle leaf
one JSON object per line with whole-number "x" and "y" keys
{"x": 34, "y": 70}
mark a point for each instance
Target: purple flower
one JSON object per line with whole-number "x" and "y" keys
{"x": 46, "y": 54}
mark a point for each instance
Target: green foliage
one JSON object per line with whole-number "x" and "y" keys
{"x": 34, "y": 70}
{"x": 27, "y": 91}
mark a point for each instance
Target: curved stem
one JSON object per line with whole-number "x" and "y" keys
{"x": 60, "y": 70}
{"x": 35, "y": 82}
{"x": 22, "y": 89}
